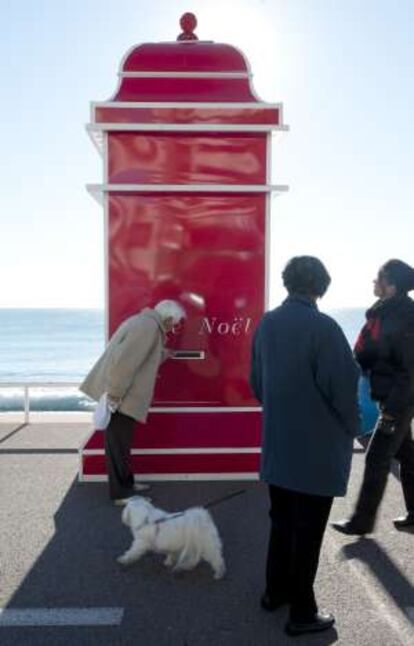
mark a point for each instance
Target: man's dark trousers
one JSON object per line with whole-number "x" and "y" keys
{"x": 118, "y": 441}
{"x": 381, "y": 450}
{"x": 298, "y": 525}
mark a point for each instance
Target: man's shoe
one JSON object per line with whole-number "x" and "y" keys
{"x": 405, "y": 521}
{"x": 270, "y": 604}
{"x": 321, "y": 621}
{"x": 122, "y": 502}
{"x": 351, "y": 528}
{"x": 139, "y": 486}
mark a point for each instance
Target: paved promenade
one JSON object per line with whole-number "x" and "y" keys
{"x": 59, "y": 540}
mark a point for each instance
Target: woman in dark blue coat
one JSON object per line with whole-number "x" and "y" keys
{"x": 304, "y": 375}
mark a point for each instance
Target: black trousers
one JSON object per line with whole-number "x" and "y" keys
{"x": 118, "y": 441}
{"x": 298, "y": 525}
{"x": 381, "y": 450}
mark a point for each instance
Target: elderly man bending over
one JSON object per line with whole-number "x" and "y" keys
{"x": 127, "y": 371}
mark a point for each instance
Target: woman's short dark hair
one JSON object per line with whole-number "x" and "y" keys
{"x": 306, "y": 276}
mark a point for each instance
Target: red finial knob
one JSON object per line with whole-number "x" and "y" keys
{"x": 188, "y": 23}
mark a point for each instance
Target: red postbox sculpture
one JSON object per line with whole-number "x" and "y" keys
{"x": 186, "y": 147}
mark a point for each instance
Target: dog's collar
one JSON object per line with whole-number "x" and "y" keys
{"x": 137, "y": 529}
{"x": 155, "y": 524}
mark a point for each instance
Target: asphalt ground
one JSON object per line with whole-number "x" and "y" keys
{"x": 59, "y": 541}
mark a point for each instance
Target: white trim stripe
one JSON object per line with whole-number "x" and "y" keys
{"x": 199, "y": 409}
{"x": 163, "y": 477}
{"x": 267, "y": 250}
{"x": 269, "y": 139}
{"x": 187, "y": 127}
{"x": 97, "y": 139}
{"x": 186, "y": 104}
{"x": 185, "y": 75}
{"x": 186, "y": 188}
{"x": 268, "y": 212}
{"x": 200, "y": 451}
{"x": 61, "y": 616}
{"x": 106, "y": 233}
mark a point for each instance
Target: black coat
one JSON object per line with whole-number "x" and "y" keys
{"x": 304, "y": 375}
{"x": 385, "y": 351}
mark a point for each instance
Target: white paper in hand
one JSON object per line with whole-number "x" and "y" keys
{"x": 102, "y": 414}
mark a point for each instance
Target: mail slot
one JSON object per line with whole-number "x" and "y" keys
{"x": 186, "y": 148}
{"x": 188, "y": 354}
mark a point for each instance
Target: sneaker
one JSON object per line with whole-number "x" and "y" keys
{"x": 139, "y": 486}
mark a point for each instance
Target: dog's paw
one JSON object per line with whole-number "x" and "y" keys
{"x": 123, "y": 560}
{"x": 169, "y": 561}
{"x": 219, "y": 574}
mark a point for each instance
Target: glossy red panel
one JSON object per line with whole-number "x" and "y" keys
{"x": 219, "y": 115}
{"x": 193, "y": 430}
{"x": 186, "y": 158}
{"x": 206, "y": 251}
{"x": 180, "y": 464}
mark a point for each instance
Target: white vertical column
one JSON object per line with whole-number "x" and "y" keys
{"x": 106, "y": 233}
{"x": 267, "y": 249}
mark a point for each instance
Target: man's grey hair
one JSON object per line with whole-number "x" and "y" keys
{"x": 170, "y": 309}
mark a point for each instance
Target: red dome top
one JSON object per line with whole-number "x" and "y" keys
{"x": 185, "y": 70}
{"x": 185, "y": 56}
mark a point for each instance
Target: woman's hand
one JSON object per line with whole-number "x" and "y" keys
{"x": 386, "y": 424}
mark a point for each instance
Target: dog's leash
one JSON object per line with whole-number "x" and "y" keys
{"x": 212, "y": 503}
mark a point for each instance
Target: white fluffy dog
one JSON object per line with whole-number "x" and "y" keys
{"x": 185, "y": 537}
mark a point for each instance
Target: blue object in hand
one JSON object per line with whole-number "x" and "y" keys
{"x": 369, "y": 408}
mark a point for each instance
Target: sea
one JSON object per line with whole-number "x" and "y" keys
{"x": 48, "y": 346}
{"x": 57, "y": 346}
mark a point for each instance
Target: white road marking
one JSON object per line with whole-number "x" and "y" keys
{"x": 61, "y": 616}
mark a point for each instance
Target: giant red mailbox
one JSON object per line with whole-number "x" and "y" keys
{"x": 186, "y": 147}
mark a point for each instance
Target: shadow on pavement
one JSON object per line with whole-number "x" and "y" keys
{"x": 382, "y": 566}
{"x": 77, "y": 569}
{"x": 13, "y": 431}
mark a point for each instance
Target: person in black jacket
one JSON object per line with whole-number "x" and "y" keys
{"x": 385, "y": 351}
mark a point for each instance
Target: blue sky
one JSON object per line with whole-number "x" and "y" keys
{"x": 343, "y": 69}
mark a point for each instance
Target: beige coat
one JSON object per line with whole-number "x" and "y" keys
{"x": 128, "y": 368}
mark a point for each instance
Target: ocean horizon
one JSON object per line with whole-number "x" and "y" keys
{"x": 60, "y": 346}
